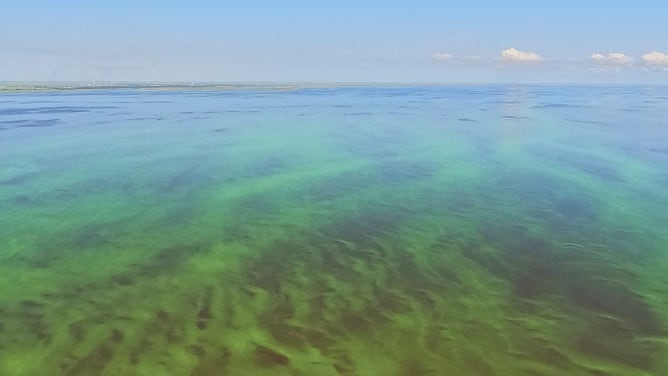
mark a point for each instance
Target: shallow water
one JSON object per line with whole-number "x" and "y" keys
{"x": 476, "y": 230}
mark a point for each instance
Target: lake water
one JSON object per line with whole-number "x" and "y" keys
{"x": 471, "y": 230}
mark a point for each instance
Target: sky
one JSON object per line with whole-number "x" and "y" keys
{"x": 430, "y": 41}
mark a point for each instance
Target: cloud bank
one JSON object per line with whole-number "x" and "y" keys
{"x": 516, "y": 56}
{"x": 442, "y": 56}
{"x": 655, "y": 58}
{"x": 613, "y": 59}
{"x": 605, "y": 63}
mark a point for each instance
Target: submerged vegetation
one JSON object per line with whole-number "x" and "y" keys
{"x": 505, "y": 230}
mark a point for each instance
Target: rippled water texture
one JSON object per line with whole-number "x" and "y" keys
{"x": 502, "y": 230}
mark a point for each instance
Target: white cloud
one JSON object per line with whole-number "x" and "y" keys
{"x": 517, "y": 56}
{"x": 510, "y": 58}
{"x": 442, "y": 56}
{"x": 655, "y": 58}
{"x": 613, "y": 59}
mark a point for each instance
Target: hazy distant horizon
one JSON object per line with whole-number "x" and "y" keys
{"x": 92, "y": 84}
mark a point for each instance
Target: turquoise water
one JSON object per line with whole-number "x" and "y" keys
{"x": 473, "y": 230}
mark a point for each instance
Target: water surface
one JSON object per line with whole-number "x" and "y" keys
{"x": 475, "y": 230}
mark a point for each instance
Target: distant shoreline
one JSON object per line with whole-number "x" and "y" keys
{"x": 6, "y": 87}
{"x": 24, "y": 86}
{"x": 223, "y": 86}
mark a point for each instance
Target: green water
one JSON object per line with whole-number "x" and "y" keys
{"x": 506, "y": 230}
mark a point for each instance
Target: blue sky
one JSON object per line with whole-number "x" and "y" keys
{"x": 563, "y": 41}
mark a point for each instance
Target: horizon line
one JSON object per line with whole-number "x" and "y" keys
{"x": 93, "y": 84}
